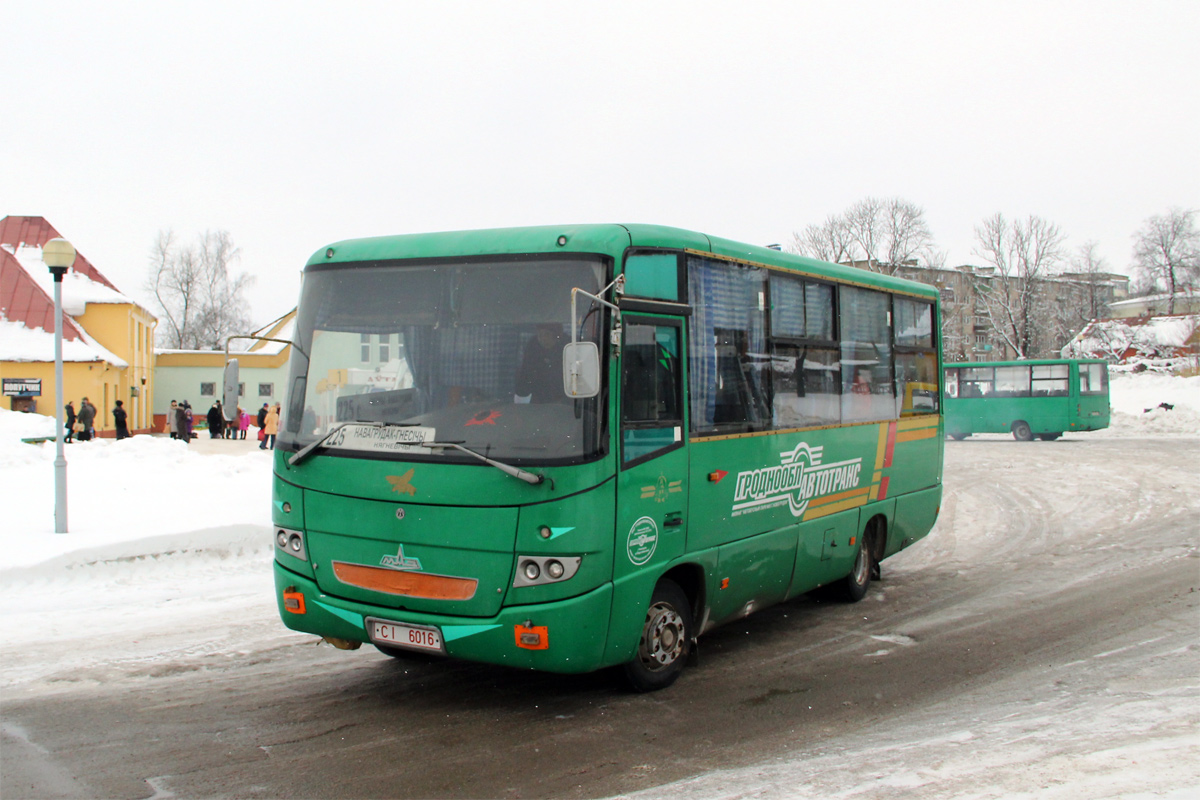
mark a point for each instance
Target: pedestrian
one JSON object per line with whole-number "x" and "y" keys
{"x": 229, "y": 422}
{"x": 181, "y": 421}
{"x": 70, "y": 421}
{"x": 172, "y": 428}
{"x": 270, "y": 428}
{"x": 188, "y": 421}
{"x": 262, "y": 416}
{"x": 243, "y": 421}
{"x": 215, "y": 421}
{"x": 119, "y": 420}
{"x": 85, "y": 418}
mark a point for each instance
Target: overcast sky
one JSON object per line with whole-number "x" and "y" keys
{"x": 292, "y": 125}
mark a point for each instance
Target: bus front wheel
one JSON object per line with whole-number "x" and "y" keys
{"x": 666, "y": 640}
{"x": 1021, "y": 431}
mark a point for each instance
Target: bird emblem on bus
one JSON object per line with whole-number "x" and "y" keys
{"x": 483, "y": 418}
{"x": 402, "y": 484}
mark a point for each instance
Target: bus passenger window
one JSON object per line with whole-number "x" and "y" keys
{"x": 868, "y": 393}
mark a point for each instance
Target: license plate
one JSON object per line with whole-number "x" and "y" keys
{"x": 410, "y": 637}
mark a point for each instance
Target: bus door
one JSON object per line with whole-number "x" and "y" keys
{"x": 652, "y": 490}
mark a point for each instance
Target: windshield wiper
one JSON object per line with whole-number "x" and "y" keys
{"x": 507, "y": 469}
{"x": 306, "y": 451}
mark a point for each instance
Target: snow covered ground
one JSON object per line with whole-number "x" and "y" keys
{"x": 154, "y": 522}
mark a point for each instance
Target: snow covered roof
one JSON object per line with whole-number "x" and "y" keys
{"x": 1122, "y": 338}
{"x": 26, "y": 297}
{"x": 19, "y": 342}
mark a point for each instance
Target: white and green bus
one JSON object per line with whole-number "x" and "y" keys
{"x": 569, "y": 448}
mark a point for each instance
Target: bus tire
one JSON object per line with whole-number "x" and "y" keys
{"x": 1049, "y": 437}
{"x": 853, "y": 587}
{"x": 665, "y": 642}
{"x": 958, "y": 437}
{"x": 1021, "y": 431}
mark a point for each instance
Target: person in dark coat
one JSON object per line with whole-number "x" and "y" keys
{"x": 86, "y": 417}
{"x": 216, "y": 421}
{"x": 119, "y": 420}
{"x": 262, "y": 416}
{"x": 70, "y": 421}
{"x": 181, "y": 421}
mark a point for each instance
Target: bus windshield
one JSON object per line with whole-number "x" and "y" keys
{"x": 469, "y": 353}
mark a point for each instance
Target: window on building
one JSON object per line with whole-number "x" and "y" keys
{"x": 366, "y": 348}
{"x": 208, "y": 389}
{"x": 266, "y": 390}
{"x": 385, "y": 348}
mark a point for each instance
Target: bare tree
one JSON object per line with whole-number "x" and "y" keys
{"x": 1023, "y": 255}
{"x": 883, "y": 234}
{"x": 199, "y": 299}
{"x": 1166, "y": 251}
{"x": 829, "y": 241}
{"x": 1090, "y": 267}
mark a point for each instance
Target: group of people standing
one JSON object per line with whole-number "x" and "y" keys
{"x": 222, "y": 427}
{"x": 81, "y": 426}
{"x": 180, "y": 423}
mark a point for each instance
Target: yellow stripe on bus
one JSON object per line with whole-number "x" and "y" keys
{"x": 914, "y": 423}
{"x": 912, "y": 436}
{"x": 882, "y": 447}
{"x": 833, "y": 498}
{"x": 833, "y": 508}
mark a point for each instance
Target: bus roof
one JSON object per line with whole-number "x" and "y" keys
{"x": 596, "y": 238}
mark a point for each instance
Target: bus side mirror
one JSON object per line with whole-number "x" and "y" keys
{"x": 229, "y": 387}
{"x": 581, "y": 370}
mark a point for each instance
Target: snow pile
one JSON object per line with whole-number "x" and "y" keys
{"x": 1137, "y": 404}
{"x": 146, "y": 494}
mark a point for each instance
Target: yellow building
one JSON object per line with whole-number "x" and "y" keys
{"x": 108, "y": 339}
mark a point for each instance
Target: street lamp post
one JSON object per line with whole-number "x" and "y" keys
{"x": 59, "y": 255}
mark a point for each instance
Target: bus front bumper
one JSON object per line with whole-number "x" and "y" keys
{"x": 575, "y": 628}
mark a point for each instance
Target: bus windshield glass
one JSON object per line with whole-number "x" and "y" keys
{"x": 469, "y": 353}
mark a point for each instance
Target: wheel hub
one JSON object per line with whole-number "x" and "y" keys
{"x": 664, "y": 641}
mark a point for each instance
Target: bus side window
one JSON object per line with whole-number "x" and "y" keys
{"x": 651, "y": 390}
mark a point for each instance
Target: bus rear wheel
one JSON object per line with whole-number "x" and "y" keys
{"x": 666, "y": 640}
{"x": 958, "y": 437}
{"x": 1049, "y": 437}
{"x": 853, "y": 587}
{"x": 1021, "y": 431}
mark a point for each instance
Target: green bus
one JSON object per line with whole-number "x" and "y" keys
{"x": 570, "y": 448}
{"x": 1043, "y": 398}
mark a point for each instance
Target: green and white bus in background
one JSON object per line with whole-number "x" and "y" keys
{"x": 1043, "y": 398}
{"x": 569, "y": 448}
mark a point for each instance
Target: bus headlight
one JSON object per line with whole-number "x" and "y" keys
{"x": 291, "y": 542}
{"x": 540, "y": 570}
